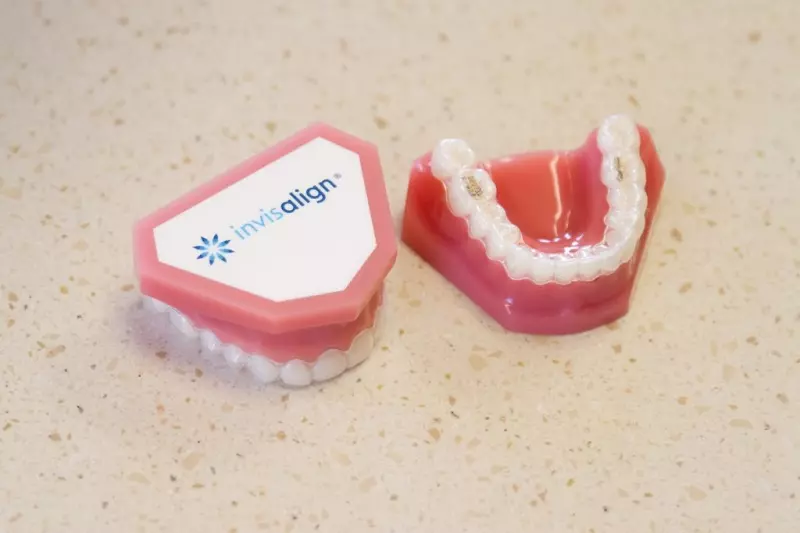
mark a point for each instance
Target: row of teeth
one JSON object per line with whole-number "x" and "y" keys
{"x": 294, "y": 373}
{"x": 471, "y": 194}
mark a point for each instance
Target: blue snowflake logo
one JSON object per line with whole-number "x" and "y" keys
{"x": 213, "y": 249}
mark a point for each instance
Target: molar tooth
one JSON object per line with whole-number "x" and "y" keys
{"x": 610, "y": 173}
{"x": 479, "y": 224}
{"x": 488, "y": 188}
{"x": 618, "y": 133}
{"x": 494, "y": 211}
{"x": 451, "y": 156}
{"x": 542, "y": 269}
{"x": 511, "y": 233}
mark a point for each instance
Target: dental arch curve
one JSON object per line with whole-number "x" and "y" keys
{"x": 471, "y": 195}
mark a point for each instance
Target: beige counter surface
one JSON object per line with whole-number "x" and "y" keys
{"x": 682, "y": 417}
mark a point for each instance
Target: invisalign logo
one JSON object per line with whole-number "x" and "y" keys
{"x": 214, "y": 249}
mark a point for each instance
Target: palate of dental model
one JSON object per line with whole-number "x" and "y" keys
{"x": 575, "y": 220}
{"x": 277, "y": 265}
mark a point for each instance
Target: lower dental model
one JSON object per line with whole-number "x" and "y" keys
{"x": 293, "y": 372}
{"x": 472, "y": 195}
{"x": 567, "y": 227}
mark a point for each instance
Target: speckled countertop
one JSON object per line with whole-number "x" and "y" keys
{"x": 682, "y": 417}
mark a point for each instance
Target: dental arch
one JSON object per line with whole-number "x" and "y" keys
{"x": 471, "y": 195}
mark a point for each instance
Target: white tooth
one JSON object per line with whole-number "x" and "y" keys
{"x": 633, "y": 171}
{"x": 640, "y": 205}
{"x": 629, "y": 246}
{"x": 609, "y": 174}
{"x": 542, "y": 270}
{"x": 461, "y": 203}
{"x": 615, "y": 237}
{"x": 510, "y": 233}
{"x": 610, "y": 259}
{"x": 329, "y": 365}
{"x": 566, "y": 269}
{"x": 488, "y": 188}
{"x": 235, "y": 357}
{"x": 451, "y": 156}
{"x": 629, "y": 200}
{"x": 296, "y": 373}
{"x": 496, "y": 247}
{"x": 611, "y": 264}
{"x": 618, "y": 133}
{"x": 479, "y": 224}
{"x": 494, "y": 211}
{"x": 501, "y": 237}
{"x": 518, "y": 261}
{"x": 623, "y": 173}
{"x": 590, "y": 267}
{"x": 636, "y": 194}
{"x": 210, "y": 342}
{"x": 263, "y": 369}
{"x": 619, "y": 199}
{"x": 618, "y": 220}
{"x": 182, "y": 324}
{"x": 627, "y": 251}
{"x": 360, "y": 349}
{"x": 155, "y": 306}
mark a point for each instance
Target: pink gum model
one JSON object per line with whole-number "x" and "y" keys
{"x": 309, "y": 314}
{"x": 546, "y": 242}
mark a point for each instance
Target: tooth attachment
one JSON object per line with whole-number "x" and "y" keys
{"x": 294, "y": 373}
{"x": 471, "y": 195}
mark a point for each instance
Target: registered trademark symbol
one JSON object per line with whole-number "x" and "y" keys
{"x": 337, "y": 176}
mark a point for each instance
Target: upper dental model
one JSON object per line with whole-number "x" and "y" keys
{"x": 292, "y": 373}
{"x": 471, "y": 195}
{"x": 278, "y": 264}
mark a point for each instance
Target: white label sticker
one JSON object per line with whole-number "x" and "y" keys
{"x": 298, "y": 227}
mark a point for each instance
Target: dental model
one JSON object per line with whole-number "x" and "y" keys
{"x": 546, "y": 242}
{"x": 277, "y": 265}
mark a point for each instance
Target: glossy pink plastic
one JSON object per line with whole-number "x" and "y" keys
{"x": 294, "y": 329}
{"x": 552, "y": 213}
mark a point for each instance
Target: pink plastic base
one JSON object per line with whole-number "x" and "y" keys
{"x": 302, "y": 328}
{"x": 306, "y": 344}
{"x": 552, "y": 214}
